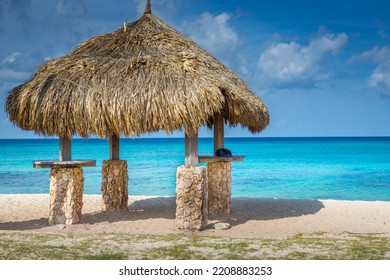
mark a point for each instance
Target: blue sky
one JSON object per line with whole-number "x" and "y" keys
{"x": 321, "y": 67}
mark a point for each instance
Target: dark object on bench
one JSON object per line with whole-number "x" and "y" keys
{"x": 223, "y": 153}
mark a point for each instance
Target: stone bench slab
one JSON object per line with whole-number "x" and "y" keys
{"x": 63, "y": 164}
{"x": 220, "y": 159}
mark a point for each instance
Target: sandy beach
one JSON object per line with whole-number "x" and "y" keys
{"x": 250, "y": 217}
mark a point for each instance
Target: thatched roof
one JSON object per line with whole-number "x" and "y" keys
{"x": 143, "y": 77}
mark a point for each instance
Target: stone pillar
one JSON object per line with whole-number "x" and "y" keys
{"x": 66, "y": 195}
{"x": 191, "y": 197}
{"x": 219, "y": 187}
{"x": 114, "y": 185}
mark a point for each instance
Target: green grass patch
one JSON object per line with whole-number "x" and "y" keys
{"x": 321, "y": 246}
{"x": 107, "y": 256}
{"x": 174, "y": 252}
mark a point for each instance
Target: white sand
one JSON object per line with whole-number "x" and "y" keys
{"x": 250, "y": 217}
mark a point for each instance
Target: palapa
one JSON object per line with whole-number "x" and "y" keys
{"x": 141, "y": 78}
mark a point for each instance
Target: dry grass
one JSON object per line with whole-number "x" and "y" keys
{"x": 141, "y": 78}
{"x": 148, "y": 247}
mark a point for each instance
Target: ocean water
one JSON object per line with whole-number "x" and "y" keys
{"x": 302, "y": 168}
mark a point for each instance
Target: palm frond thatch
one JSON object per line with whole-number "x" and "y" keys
{"x": 144, "y": 77}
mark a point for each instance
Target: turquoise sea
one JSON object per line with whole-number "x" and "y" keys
{"x": 306, "y": 168}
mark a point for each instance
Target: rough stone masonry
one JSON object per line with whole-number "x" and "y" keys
{"x": 219, "y": 185}
{"x": 66, "y": 195}
{"x": 191, "y": 198}
{"x": 114, "y": 185}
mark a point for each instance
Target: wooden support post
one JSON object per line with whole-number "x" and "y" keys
{"x": 218, "y": 132}
{"x": 191, "y": 150}
{"x": 114, "y": 147}
{"x": 65, "y": 149}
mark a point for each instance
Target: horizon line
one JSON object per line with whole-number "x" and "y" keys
{"x": 200, "y": 137}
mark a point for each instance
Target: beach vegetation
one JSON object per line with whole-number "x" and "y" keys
{"x": 174, "y": 252}
{"x": 107, "y": 256}
{"x": 320, "y": 246}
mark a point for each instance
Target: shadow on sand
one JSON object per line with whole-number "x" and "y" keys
{"x": 263, "y": 209}
{"x": 243, "y": 210}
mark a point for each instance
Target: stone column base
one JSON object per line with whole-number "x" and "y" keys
{"x": 66, "y": 195}
{"x": 191, "y": 198}
{"x": 219, "y": 187}
{"x": 114, "y": 185}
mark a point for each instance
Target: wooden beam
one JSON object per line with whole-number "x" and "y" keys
{"x": 114, "y": 147}
{"x": 218, "y": 132}
{"x": 65, "y": 149}
{"x": 191, "y": 149}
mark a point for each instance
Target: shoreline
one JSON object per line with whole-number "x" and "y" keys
{"x": 250, "y": 217}
{"x": 233, "y": 197}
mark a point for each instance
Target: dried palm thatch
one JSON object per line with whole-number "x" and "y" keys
{"x": 144, "y": 77}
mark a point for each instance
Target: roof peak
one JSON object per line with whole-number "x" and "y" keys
{"x": 148, "y": 8}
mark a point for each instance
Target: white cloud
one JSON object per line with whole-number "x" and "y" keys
{"x": 376, "y": 54}
{"x": 380, "y": 78}
{"x": 212, "y": 32}
{"x": 13, "y": 75}
{"x": 290, "y": 63}
{"x": 281, "y": 123}
{"x": 17, "y": 67}
{"x": 11, "y": 58}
